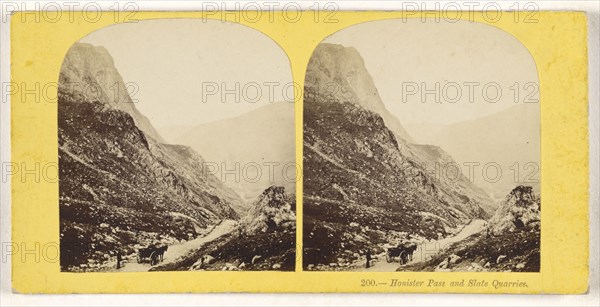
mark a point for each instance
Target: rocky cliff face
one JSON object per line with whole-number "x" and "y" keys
{"x": 363, "y": 179}
{"x": 119, "y": 185}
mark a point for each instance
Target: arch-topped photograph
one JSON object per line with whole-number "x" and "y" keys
{"x": 421, "y": 150}
{"x": 176, "y": 149}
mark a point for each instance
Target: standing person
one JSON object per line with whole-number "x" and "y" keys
{"x": 368, "y": 258}
{"x": 119, "y": 259}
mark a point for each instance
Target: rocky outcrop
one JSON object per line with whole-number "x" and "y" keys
{"x": 273, "y": 209}
{"x": 119, "y": 185}
{"x": 519, "y": 211}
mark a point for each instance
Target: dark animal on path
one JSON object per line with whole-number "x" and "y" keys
{"x": 161, "y": 251}
{"x": 410, "y": 250}
{"x": 403, "y": 257}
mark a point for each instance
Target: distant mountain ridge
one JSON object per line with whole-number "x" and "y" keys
{"x": 261, "y": 142}
{"x": 120, "y": 186}
{"x": 486, "y": 140}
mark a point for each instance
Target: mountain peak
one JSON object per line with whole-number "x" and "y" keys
{"x": 338, "y": 73}
{"x": 88, "y": 74}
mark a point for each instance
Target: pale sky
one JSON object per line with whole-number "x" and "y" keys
{"x": 179, "y": 63}
{"x": 176, "y": 62}
{"x": 399, "y": 54}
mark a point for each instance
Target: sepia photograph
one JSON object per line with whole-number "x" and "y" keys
{"x": 176, "y": 150}
{"x": 318, "y": 153}
{"x": 421, "y": 150}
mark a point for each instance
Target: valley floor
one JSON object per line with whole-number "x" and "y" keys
{"x": 176, "y": 251}
{"x": 425, "y": 251}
